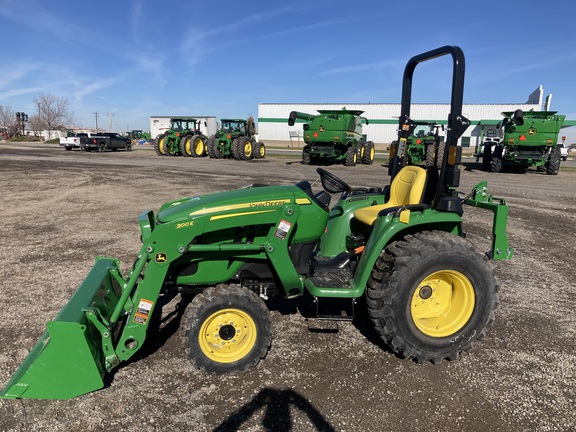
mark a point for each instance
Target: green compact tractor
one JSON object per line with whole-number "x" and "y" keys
{"x": 183, "y": 138}
{"x": 235, "y": 139}
{"x": 529, "y": 140}
{"x": 334, "y": 135}
{"x": 397, "y": 251}
{"x": 422, "y": 144}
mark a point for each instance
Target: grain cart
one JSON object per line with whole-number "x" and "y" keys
{"x": 183, "y": 138}
{"x": 334, "y": 135}
{"x": 236, "y": 139}
{"x": 429, "y": 292}
{"x": 422, "y": 144}
{"x": 529, "y": 140}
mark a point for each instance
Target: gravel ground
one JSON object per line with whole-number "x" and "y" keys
{"x": 61, "y": 209}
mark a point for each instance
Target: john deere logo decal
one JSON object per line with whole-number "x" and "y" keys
{"x": 161, "y": 257}
{"x": 321, "y": 128}
{"x": 531, "y": 131}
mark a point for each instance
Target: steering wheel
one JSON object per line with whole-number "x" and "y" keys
{"x": 331, "y": 183}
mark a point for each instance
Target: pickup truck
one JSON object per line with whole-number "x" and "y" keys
{"x": 105, "y": 141}
{"x": 73, "y": 141}
{"x": 563, "y": 152}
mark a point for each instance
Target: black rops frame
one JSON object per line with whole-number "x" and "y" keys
{"x": 445, "y": 198}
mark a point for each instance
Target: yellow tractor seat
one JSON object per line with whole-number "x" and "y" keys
{"x": 407, "y": 188}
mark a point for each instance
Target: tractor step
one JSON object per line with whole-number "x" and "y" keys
{"x": 332, "y": 279}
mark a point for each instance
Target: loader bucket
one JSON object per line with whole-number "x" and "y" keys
{"x": 68, "y": 359}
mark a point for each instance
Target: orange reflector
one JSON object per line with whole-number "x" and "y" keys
{"x": 315, "y": 135}
{"x": 336, "y": 138}
{"x": 522, "y": 138}
{"x": 359, "y": 250}
{"x": 452, "y": 156}
{"x": 228, "y": 136}
{"x": 418, "y": 141}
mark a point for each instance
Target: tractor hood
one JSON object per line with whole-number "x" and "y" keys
{"x": 237, "y": 201}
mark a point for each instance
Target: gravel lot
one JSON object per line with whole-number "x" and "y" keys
{"x": 61, "y": 209}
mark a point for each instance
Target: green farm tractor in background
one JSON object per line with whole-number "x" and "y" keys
{"x": 422, "y": 144}
{"x": 399, "y": 252}
{"x": 334, "y": 135}
{"x": 236, "y": 139}
{"x": 526, "y": 139}
{"x": 182, "y": 138}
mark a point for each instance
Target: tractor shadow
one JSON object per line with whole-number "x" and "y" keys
{"x": 277, "y": 416}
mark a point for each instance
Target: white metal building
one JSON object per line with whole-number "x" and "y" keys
{"x": 383, "y": 118}
{"x": 159, "y": 124}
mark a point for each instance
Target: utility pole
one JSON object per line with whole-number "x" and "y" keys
{"x": 96, "y": 115}
{"x": 110, "y": 115}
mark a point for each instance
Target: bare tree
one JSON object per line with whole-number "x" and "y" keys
{"x": 53, "y": 112}
{"x": 8, "y": 124}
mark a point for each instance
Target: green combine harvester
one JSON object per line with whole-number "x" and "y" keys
{"x": 334, "y": 136}
{"x": 429, "y": 292}
{"x": 527, "y": 139}
{"x": 182, "y": 138}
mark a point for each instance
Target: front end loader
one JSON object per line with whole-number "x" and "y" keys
{"x": 430, "y": 294}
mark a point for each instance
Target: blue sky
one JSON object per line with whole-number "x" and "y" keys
{"x": 137, "y": 58}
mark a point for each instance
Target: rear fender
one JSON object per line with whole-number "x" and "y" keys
{"x": 389, "y": 228}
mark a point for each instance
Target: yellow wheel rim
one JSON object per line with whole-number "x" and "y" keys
{"x": 227, "y": 335}
{"x": 187, "y": 146}
{"x": 262, "y": 151}
{"x": 248, "y": 149}
{"x": 355, "y": 157}
{"x": 371, "y": 153}
{"x": 362, "y": 151}
{"x": 161, "y": 146}
{"x": 199, "y": 146}
{"x": 443, "y": 303}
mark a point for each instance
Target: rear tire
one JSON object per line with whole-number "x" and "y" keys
{"x": 159, "y": 146}
{"x": 226, "y": 329}
{"x": 213, "y": 151}
{"x": 244, "y": 148}
{"x": 432, "y": 296}
{"x": 430, "y": 155}
{"x": 369, "y": 153}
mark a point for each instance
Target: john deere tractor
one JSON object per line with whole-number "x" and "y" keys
{"x": 334, "y": 136}
{"x": 399, "y": 251}
{"x": 422, "y": 144}
{"x": 182, "y": 138}
{"x": 235, "y": 139}
{"x": 527, "y": 139}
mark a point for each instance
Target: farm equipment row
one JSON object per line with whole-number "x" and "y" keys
{"x": 235, "y": 139}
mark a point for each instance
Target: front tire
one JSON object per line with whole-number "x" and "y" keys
{"x": 432, "y": 296}
{"x": 227, "y": 329}
{"x": 259, "y": 150}
{"x": 553, "y": 163}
